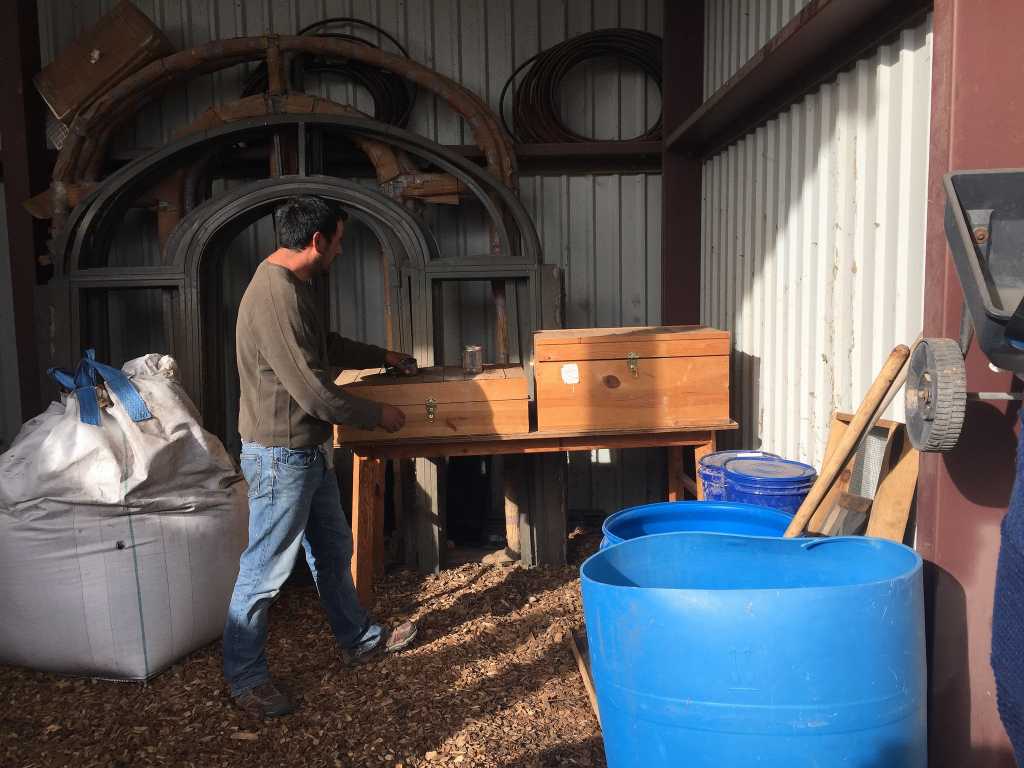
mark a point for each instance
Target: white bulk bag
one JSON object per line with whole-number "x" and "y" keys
{"x": 119, "y": 539}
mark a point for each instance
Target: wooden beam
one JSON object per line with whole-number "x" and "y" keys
{"x": 431, "y": 533}
{"x": 24, "y": 159}
{"x": 541, "y": 442}
{"x": 691, "y": 486}
{"x": 890, "y": 511}
{"x": 580, "y": 651}
{"x": 367, "y": 518}
{"x": 539, "y": 489}
{"x": 676, "y": 487}
{"x": 512, "y": 482}
{"x": 699, "y": 452}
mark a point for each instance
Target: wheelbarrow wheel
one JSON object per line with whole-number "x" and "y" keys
{"x": 936, "y": 395}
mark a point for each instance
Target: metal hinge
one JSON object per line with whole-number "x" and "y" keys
{"x": 633, "y": 361}
{"x": 431, "y": 409}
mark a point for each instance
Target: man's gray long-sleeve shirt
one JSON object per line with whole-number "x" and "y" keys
{"x": 285, "y": 355}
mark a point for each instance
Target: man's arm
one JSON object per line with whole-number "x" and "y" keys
{"x": 348, "y": 353}
{"x": 284, "y": 340}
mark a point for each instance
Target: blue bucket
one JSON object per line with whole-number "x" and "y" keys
{"x": 707, "y": 516}
{"x": 711, "y": 470}
{"x": 712, "y": 650}
{"x": 775, "y": 483}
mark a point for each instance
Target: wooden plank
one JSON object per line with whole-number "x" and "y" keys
{"x": 891, "y": 509}
{"x": 666, "y": 392}
{"x": 580, "y": 651}
{"x": 431, "y": 537}
{"x": 448, "y": 386}
{"x": 840, "y": 421}
{"x": 367, "y": 517}
{"x": 692, "y": 486}
{"x": 618, "y": 350}
{"x": 634, "y": 333}
{"x": 881, "y": 392}
{"x": 511, "y": 480}
{"x": 847, "y": 517}
{"x": 699, "y": 452}
{"x": 519, "y": 497}
{"x": 537, "y": 442}
{"x": 835, "y": 434}
{"x": 506, "y": 417}
{"x": 676, "y": 486}
{"x": 405, "y": 509}
{"x": 548, "y": 511}
{"x": 378, "y": 523}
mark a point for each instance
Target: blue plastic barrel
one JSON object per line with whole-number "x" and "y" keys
{"x": 775, "y": 483}
{"x": 709, "y": 516}
{"x": 711, "y": 470}
{"x": 713, "y": 650}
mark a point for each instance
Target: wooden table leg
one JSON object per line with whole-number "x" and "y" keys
{"x": 511, "y": 480}
{"x": 378, "y": 524}
{"x": 675, "y": 473}
{"x": 367, "y": 522}
{"x": 699, "y": 452}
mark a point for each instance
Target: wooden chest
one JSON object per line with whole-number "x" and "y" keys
{"x": 443, "y": 402}
{"x": 122, "y": 42}
{"x": 630, "y": 378}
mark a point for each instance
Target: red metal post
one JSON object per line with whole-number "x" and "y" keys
{"x": 962, "y": 496}
{"x": 682, "y": 91}
{"x": 25, "y": 173}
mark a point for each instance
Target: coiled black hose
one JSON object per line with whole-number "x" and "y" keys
{"x": 536, "y": 101}
{"x": 393, "y": 96}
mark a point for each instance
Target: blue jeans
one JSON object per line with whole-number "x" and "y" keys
{"x": 293, "y": 499}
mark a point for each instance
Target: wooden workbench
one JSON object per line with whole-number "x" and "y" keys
{"x": 531, "y": 484}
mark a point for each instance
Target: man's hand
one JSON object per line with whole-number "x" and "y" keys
{"x": 402, "y": 362}
{"x": 391, "y": 418}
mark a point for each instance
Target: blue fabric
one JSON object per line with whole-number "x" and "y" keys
{"x": 293, "y": 500}
{"x": 1008, "y": 613}
{"x": 83, "y": 384}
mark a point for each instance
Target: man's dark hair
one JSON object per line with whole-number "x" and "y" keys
{"x": 299, "y": 218}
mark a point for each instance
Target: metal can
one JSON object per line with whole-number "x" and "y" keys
{"x": 473, "y": 358}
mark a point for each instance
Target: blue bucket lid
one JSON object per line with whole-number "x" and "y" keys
{"x": 720, "y": 458}
{"x": 770, "y": 470}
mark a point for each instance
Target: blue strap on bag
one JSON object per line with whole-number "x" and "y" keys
{"x": 83, "y": 384}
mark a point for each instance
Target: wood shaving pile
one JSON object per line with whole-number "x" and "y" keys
{"x": 490, "y": 681}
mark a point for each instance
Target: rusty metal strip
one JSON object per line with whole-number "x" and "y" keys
{"x": 91, "y": 130}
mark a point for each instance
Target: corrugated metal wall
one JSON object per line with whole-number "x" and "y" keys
{"x": 734, "y": 30}
{"x": 604, "y": 230}
{"x": 10, "y": 394}
{"x": 813, "y": 246}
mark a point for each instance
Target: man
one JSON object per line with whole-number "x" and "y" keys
{"x": 288, "y": 403}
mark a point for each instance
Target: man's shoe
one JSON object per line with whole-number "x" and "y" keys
{"x": 265, "y": 700}
{"x": 400, "y": 637}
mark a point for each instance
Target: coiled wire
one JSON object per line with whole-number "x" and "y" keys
{"x": 536, "y": 101}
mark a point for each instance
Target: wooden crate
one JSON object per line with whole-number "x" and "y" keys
{"x": 120, "y": 43}
{"x": 629, "y": 378}
{"x": 443, "y": 402}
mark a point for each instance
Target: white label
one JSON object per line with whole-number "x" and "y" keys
{"x": 570, "y": 373}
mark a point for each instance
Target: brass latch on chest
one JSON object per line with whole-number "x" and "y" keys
{"x": 431, "y": 409}
{"x": 633, "y": 361}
